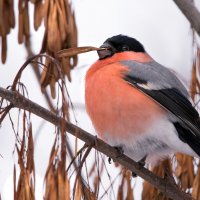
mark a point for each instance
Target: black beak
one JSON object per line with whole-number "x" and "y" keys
{"x": 107, "y": 51}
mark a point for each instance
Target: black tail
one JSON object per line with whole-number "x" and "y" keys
{"x": 188, "y": 137}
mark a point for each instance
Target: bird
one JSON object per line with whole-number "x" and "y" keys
{"x": 139, "y": 105}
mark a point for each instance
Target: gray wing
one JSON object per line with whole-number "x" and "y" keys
{"x": 165, "y": 88}
{"x": 155, "y": 76}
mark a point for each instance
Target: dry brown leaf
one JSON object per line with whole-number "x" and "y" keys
{"x": 196, "y": 186}
{"x": 53, "y": 37}
{"x": 26, "y": 29}
{"x": 47, "y": 74}
{"x": 20, "y": 28}
{"x": 34, "y": 1}
{"x": 50, "y": 167}
{"x": 26, "y": 183}
{"x": 184, "y": 171}
{"x": 44, "y": 43}
{"x": 62, "y": 22}
{"x": 193, "y": 80}
{"x": 30, "y": 153}
{"x": 3, "y": 49}
{"x": 65, "y": 63}
{"x": 67, "y": 188}
{"x": 129, "y": 195}
{"x": 87, "y": 193}
{"x": 52, "y": 87}
{"x": 76, "y": 50}
{"x": 56, "y": 179}
{"x": 60, "y": 33}
{"x": 78, "y": 190}
{"x": 1, "y": 16}
{"x": 150, "y": 192}
{"x": 38, "y": 14}
{"x": 61, "y": 186}
{"x": 65, "y": 9}
{"x": 120, "y": 193}
{"x": 46, "y": 12}
{"x": 11, "y": 14}
{"x": 72, "y": 32}
{"x": 51, "y": 185}
{"x": 96, "y": 182}
{"x": 7, "y": 21}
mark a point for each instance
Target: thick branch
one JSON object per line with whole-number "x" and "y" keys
{"x": 191, "y": 12}
{"x": 167, "y": 187}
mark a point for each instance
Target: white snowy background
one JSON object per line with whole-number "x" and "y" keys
{"x": 158, "y": 25}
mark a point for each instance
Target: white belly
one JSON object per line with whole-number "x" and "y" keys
{"x": 160, "y": 141}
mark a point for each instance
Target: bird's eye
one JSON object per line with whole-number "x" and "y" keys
{"x": 125, "y": 48}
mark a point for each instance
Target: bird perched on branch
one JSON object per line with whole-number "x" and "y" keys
{"x": 139, "y": 105}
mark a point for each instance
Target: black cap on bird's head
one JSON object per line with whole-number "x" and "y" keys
{"x": 117, "y": 44}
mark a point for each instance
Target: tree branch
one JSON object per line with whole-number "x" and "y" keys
{"x": 167, "y": 187}
{"x": 191, "y": 12}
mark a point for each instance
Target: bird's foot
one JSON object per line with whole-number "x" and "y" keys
{"x": 141, "y": 164}
{"x": 120, "y": 152}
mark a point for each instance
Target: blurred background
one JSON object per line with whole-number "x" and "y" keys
{"x": 159, "y": 25}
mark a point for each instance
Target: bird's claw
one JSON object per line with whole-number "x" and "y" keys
{"x": 120, "y": 152}
{"x": 141, "y": 164}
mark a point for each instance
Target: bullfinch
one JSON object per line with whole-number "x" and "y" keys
{"x": 139, "y": 105}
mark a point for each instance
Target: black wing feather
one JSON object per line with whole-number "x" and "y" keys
{"x": 188, "y": 127}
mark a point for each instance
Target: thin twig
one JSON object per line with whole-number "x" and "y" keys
{"x": 191, "y": 12}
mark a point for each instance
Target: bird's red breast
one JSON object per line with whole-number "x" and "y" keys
{"x": 115, "y": 107}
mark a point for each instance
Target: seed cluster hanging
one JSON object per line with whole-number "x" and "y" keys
{"x": 60, "y": 33}
{"x": 7, "y": 22}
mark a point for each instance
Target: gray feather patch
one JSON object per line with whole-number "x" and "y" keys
{"x": 154, "y": 76}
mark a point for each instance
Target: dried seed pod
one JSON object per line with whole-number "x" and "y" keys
{"x": 73, "y": 40}
{"x": 193, "y": 81}
{"x": 46, "y": 74}
{"x": 3, "y": 20}
{"x": 52, "y": 86}
{"x": 62, "y": 24}
{"x": 26, "y": 29}
{"x": 11, "y": 14}
{"x": 20, "y": 5}
{"x": 70, "y": 52}
{"x": 150, "y": 192}
{"x": 3, "y": 49}
{"x": 56, "y": 180}
{"x": 184, "y": 171}
{"x": 38, "y": 14}
{"x": 196, "y": 185}
{"x": 26, "y": 185}
{"x": 7, "y": 22}
{"x": 34, "y": 1}
{"x": 46, "y": 12}
{"x": 1, "y": 12}
{"x": 60, "y": 33}
{"x": 65, "y": 63}
{"x": 129, "y": 195}
{"x": 53, "y": 37}
{"x": 44, "y": 42}
{"x": 20, "y": 30}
